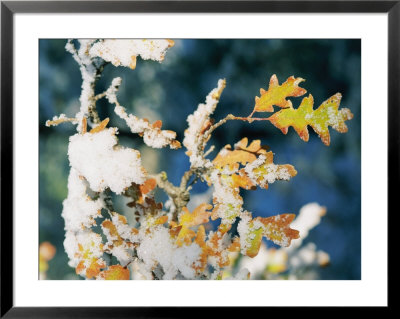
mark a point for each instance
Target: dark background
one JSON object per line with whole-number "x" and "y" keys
{"x": 170, "y": 91}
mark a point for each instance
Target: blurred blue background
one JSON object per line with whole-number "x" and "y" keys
{"x": 170, "y": 91}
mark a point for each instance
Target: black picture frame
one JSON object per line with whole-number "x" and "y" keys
{"x": 9, "y": 8}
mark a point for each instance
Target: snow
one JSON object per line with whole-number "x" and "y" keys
{"x": 243, "y": 229}
{"x": 124, "y": 51}
{"x": 197, "y": 121}
{"x": 88, "y": 73}
{"x": 157, "y": 247}
{"x": 90, "y": 242}
{"x": 152, "y": 136}
{"x": 309, "y": 217}
{"x": 263, "y": 174}
{"x": 226, "y": 199}
{"x": 79, "y": 210}
{"x": 103, "y": 163}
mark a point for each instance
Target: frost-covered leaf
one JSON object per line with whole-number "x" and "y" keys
{"x": 263, "y": 171}
{"x": 226, "y": 179}
{"x": 275, "y": 228}
{"x": 85, "y": 250}
{"x": 124, "y": 51}
{"x": 226, "y": 197}
{"x": 201, "y": 215}
{"x": 242, "y": 153}
{"x": 120, "y": 238}
{"x": 327, "y": 114}
{"x": 219, "y": 245}
{"x": 277, "y": 94}
{"x": 200, "y": 240}
{"x": 115, "y": 272}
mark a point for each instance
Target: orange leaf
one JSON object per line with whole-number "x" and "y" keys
{"x": 277, "y": 94}
{"x": 199, "y": 216}
{"x": 161, "y": 220}
{"x": 242, "y": 181}
{"x": 242, "y": 153}
{"x": 148, "y": 186}
{"x": 84, "y": 125}
{"x": 116, "y": 272}
{"x": 94, "y": 267}
{"x": 157, "y": 124}
{"x": 200, "y": 240}
{"x": 100, "y": 127}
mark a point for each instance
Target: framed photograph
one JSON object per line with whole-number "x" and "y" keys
{"x": 158, "y": 155}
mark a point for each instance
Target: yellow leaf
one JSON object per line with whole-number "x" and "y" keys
{"x": 200, "y": 215}
{"x": 277, "y": 94}
{"x": 95, "y": 265}
{"x": 327, "y": 114}
{"x": 88, "y": 253}
{"x": 275, "y": 228}
{"x": 116, "y": 272}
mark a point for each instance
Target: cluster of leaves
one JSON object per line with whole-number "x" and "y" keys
{"x": 168, "y": 241}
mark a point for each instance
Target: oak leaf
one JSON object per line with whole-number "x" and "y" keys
{"x": 242, "y": 153}
{"x": 275, "y": 228}
{"x": 148, "y": 186}
{"x": 277, "y": 94}
{"x": 263, "y": 172}
{"x": 115, "y": 272}
{"x": 89, "y": 263}
{"x": 327, "y": 114}
{"x": 200, "y": 215}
